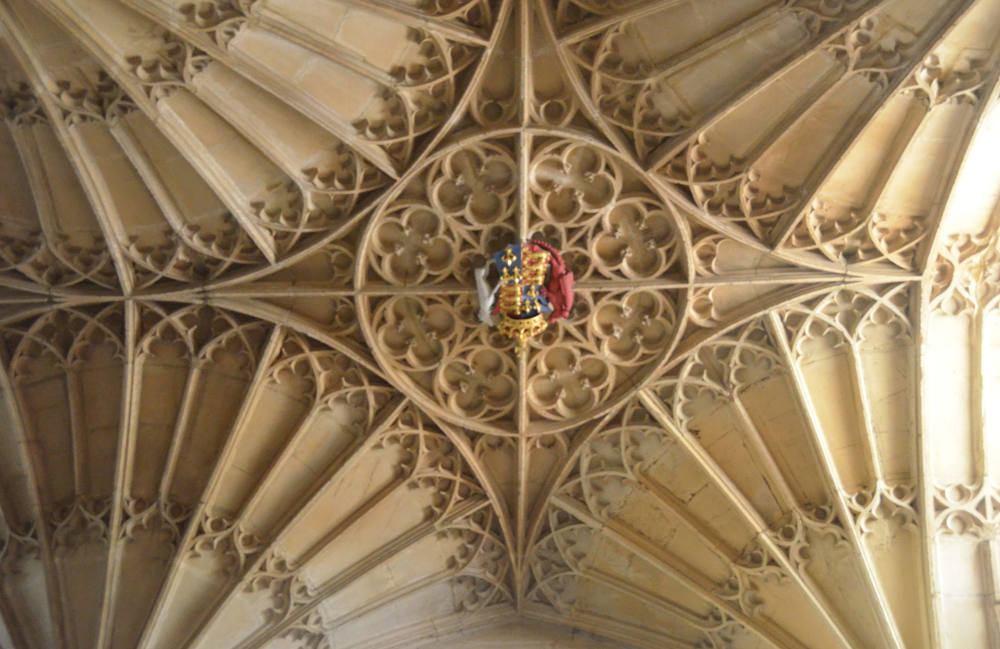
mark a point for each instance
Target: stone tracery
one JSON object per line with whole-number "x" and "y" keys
{"x": 241, "y": 353}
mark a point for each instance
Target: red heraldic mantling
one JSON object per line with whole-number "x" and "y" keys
{"x": 559, "y": 289}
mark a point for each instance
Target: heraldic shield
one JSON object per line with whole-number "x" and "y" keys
{"x": 534, "y": 288}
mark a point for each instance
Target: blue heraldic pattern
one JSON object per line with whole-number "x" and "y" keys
{"x": 523, "y": 269}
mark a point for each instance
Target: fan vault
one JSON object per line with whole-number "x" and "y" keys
{"x": 247, "y": 403}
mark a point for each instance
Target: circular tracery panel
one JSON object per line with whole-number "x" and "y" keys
{"x": 624, "y": 242}
{"x": 610, "y": 224}
{"x": 457, "y": 206}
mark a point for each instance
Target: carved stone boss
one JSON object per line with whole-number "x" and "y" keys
{"x": 533, "y": 289}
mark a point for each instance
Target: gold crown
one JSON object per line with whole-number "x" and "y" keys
{"x": 521, "y": 329}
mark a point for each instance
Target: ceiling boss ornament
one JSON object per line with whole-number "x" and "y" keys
{"x": 533, "y": 288}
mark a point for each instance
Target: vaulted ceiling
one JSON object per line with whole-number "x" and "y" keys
{"x": 245, "y": 402}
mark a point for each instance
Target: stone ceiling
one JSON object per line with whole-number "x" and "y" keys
{"x": 246, "y": 402}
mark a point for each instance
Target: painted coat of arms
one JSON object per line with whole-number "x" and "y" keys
{"x": 533, "y": 289}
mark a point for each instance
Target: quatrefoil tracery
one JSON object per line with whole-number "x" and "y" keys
{"x": 469, "y": 201}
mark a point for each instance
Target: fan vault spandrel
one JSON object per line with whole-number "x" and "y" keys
{"x": 248, "y": 401}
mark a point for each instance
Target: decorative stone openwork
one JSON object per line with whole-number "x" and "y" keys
{"x": 609, "y": 226}
{"x": 251, "y": 398}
